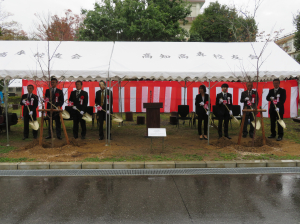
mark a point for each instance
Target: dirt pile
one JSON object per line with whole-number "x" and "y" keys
{"x": 258, "y": 146}
{"x": 222, "y": 142}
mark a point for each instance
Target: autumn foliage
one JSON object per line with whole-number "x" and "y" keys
{"x": 55, "y": 28}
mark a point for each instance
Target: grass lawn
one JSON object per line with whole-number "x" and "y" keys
{"x": 130, "y": 144}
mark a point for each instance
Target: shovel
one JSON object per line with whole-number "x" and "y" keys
{"x": 34, "y": 124}
{"x": 86, "y": 116}
{"x": 280, "y": 121}
{"x": 232, "y": 117}
{"x": 115, "y": 117}
{"x": 65, "y": 114}
{"x": 258, "y": 125}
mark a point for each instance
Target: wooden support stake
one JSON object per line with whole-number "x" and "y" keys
{"x": 241, "y": 128}
{"x": 64, "y": 128}
{"x": 41, "y": 129}
{"x": 263, "y": 128}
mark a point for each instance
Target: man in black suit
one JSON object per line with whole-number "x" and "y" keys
{"x": 249, "y": 97}
{"x": 80, "y": 101}
{"x": 104, "y": 99}
{"x": 32, "y": 101}
{"x": 57, "y": 100}
{"x": 277, "y": 96}
{"x": 223, "y": 99}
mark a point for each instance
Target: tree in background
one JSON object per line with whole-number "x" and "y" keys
{"x": 219, "y": 23}
{"x": 297, "y": 35}
{"x": 10, "y": 30}
{"x": 55, "y": 28}
{"x": 132, "y": 20}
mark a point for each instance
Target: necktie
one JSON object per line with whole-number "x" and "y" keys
{"x": 28, "y": 96}
{"x": 77, "y": 93}
{"x": 102, "y": 98}
{"x": 224, "y": 96}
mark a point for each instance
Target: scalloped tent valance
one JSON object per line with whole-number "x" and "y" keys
{"x": 198, "y": 61}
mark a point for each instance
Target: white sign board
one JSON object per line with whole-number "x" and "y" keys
{"x": 157, "y": 132}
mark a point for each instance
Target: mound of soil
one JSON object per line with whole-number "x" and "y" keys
{"x": 222, "y": 142}
{"x": 258, "y": 146}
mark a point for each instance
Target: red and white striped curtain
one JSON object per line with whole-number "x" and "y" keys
{"x": 171, "y": 94}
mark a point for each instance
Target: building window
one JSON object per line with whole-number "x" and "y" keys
{"x": 10, "y": 89}
{"x": 19, "y": 89}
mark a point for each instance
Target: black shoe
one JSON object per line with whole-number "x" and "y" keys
{"x": 101, "y": 138}
{"x": 24, "y": 138}
{"x": 244, "y": 135}
{"x": 59, "y": 138}
{"x": 48, "y": 137}
{"x": 35, "y": 137}
{"x": 205, "y": 138}
{"x": 279, "y": 139}
{"x": 82, "y": 137}
{"x": 272, "y": 136}
{"x": 220, "y": 137}
{"x": 75, "y": 137}
{"x": 228, "y": 137}
{"x": 251, "y": 136}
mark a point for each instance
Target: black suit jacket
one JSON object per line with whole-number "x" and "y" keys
{"x": 222, "y": 110}
{"x": 76, "y": 101}
{"x": 31, "y": 107}
{"x": 281, "y": 102}
{"x": 200, "y": 109}
{"x": 246, "y": 94}
{"x": 98, "y": 99}
{"x": 60, "y": 101}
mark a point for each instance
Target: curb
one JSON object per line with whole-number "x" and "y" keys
{"x": 149, "y": 165}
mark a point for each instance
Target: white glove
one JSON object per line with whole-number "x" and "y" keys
{"x": 74, "y": 107}
{"x": 207, "y": 113}
{"x": 31, "y": 112}
{"x": 272, "y": 98}
{"x": 23, "y": 101}
{"x": 202, "y": 103}
{"x": 230, "y": 112}
{"x": 277, "y": 109}
{"x": 81, "y": 112}
{"x": 247, "y": 98}
{"x": 220, "y": 101}
{"x": 107, "y": 111}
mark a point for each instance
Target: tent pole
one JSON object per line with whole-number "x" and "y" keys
{"x": 120, "y": 98}
{"x": 184, "y": 91}
{"x": 110, "y": 106}
{"x": 106, "y": 113}
{"x": 298, "y": 93}
{"x": 6, "y": 109}
{"x": 208, "y": 112}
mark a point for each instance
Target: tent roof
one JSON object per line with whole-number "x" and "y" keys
{"x": 199, "y": 61}
{"x": 73, "y": 60}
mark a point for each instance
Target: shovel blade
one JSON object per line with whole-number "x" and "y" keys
{"x": 34, "y": 125}
{"x": 281, "y": 123}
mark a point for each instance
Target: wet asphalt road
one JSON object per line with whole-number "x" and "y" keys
{"x": 151, "y": 199}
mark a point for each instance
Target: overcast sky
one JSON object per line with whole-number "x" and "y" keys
{"x": 272, "y": 14}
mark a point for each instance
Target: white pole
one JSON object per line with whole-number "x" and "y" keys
{"x": 208, "y": 112}
{"x": 105, "y": 112}
{"x": 110, "y": 106}
{"x": 6, "y": 109}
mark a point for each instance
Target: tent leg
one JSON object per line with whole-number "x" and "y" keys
{"x": 106, "y": 115}
{"x": 6, "y": 109}
{"x": 208, "y": 112}
{"x": 110, "y": 85}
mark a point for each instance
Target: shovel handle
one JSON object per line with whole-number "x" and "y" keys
{"x": 29, "y": 112}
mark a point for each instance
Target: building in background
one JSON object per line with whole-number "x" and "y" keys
{"x": 15, "y": 88}
{"x": 286, "y": 43}
{"x": 196, "y": 7}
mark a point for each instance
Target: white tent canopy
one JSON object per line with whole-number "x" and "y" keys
{"x": 71, "y": 59}
{"x": 200, "y": 61}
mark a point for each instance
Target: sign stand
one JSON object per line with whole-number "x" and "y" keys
{"x": 157, "y": 133}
